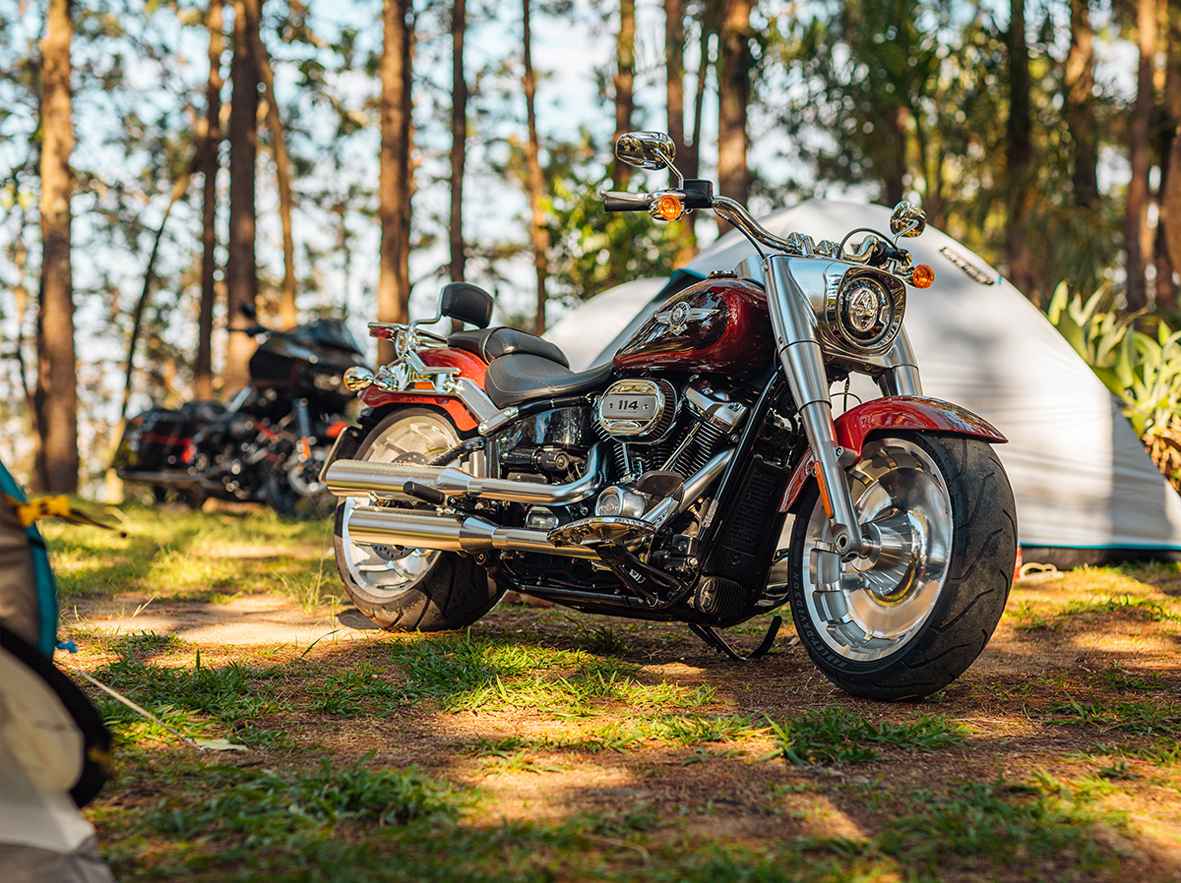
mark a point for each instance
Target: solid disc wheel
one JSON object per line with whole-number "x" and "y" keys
{"x": 910, "y": 618}
{"x": 410, "y": 589}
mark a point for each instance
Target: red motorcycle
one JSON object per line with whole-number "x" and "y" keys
{"x": 658, "y": 485}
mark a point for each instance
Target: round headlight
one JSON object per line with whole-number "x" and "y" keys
{"x": 866, "y": 314}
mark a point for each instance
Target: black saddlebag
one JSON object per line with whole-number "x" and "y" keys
{"x": 155, "y": 441}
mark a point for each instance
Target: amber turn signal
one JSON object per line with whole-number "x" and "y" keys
{"x": 922, "y": 277}
{"x": 669, "y": 207}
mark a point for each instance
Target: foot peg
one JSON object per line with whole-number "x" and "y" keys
{"x": 613, "y": 529}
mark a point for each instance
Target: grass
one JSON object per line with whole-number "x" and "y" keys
{"x": 541, "y": 746}
{"x": 187, "y": 554}
{"x": 836, "y": 736}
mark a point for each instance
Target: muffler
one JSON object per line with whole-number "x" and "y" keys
{"x": 360, "y": 478}
{"x": 380, "y": 526}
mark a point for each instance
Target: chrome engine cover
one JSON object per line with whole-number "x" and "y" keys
{"x": 640, "y": 410}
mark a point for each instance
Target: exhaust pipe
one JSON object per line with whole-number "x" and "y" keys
{"x": 375, "y": 525}
{"x": 360, "y": 478}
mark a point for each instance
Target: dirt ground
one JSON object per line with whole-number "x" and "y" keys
{"x": 1088, "y": 641}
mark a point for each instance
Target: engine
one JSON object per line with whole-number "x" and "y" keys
{"x": 653, "y": 427}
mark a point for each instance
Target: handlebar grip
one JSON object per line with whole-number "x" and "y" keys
{"x": 617, "y": 201}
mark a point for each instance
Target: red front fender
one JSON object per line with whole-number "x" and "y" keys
{"x": 469, "y": 366}
{"x": 895, "y": 412}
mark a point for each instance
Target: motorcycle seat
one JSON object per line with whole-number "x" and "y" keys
{"x": 204, "y": 411}
{"x": 523, "y": 377}
{"x": 493, "y": 343}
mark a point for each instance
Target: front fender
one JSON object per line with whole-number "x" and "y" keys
{"x": 913, "y": 413}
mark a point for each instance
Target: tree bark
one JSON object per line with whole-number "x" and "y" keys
{"x": 210, "y": 166}
{"x": 536, "y": 184}
{"x": 288, "y": 315}
{"x": 394, "y": 184}
{"x": 674, "y": 66}
{"x": 241, "y": 269}
{"x": 625, "y": 76}
{"x": 1169, "y": 224}
{"x": 458, "y": 263}
{"x": 56, "y": 395}
{"x": 1136, "y": 214}
{"x": 1079, "y": 105}
{"x": 1171, "y": 203}
{"x": 145, "y": 294}
{"x": 735, "y": 64}
{"x": 1019, "y": 156}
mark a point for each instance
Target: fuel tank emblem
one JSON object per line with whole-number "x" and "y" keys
{"x": 678, "y": 317}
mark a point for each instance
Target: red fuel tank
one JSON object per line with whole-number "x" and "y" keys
{"x": 715, "y": 326}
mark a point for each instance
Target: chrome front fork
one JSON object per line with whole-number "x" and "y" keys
{"x": 794, "y": 324}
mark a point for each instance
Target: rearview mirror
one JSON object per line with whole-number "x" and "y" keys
{"x": 645, "y": 150}
{"x": 907, "y": 220}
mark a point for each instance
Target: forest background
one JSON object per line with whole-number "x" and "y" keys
{"x": 163, "y": 163}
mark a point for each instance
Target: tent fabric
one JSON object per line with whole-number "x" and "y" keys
{"x": 1086, "y": 489}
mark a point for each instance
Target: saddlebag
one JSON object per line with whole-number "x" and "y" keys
{"x": 154, "y": 441}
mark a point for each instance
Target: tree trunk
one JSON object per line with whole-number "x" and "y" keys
{"x": 735, "y": 65}
{"x": 1079, "y": 109}
{"x": 625, "y": 75}
{"x": 1171, "y": 203}
{"x": 674, "y": 66}
{"x": 241, "y": 270}
{"x": 56, "y": 396}
{"x": 536, "y": 184}
{"x": 692, "y": 169}
{"x": 1136, "y": 215}
{"x": 145, "y": 294}
{"x": 288, "y": 315}
{"x": 394, "y": 185}
{"x": 1167, "y": 265}
{"x": 1019, "y": 156}
{"x": 210, "y": 166}
{"x": 458, "y": 263}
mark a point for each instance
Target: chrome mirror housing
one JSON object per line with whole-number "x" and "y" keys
{"x": 907, "y": 220}
{"x": 645, "y": 150}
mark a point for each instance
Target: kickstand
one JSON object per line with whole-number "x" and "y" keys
{"x": 717, "y": 642}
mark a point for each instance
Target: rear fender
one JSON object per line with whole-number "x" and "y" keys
{"x": 423, "y": 393}
{"x": 914, "y": 413}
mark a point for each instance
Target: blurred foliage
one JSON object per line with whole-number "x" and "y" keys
{"x": 1142, "y": 369}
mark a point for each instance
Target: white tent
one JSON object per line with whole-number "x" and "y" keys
{"x": 1086, "y": 489}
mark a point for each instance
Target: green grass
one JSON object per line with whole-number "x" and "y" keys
{"x": 199, "y": 701}
{"x": 1143, "y": 609}
{"x": 989, "y": 827}
{"x": 488, "y": 674}
{"x": 835, "y": 736}
{"x": 1148, "y": 717}
{"x": 177, "y": 553}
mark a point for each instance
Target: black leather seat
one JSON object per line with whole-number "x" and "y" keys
{"x": 523, "y": 377}
{"x": 493, "y": 343}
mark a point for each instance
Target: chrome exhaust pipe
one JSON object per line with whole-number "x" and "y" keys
{"x": 360, "y": 478}
{"x": 380, "y": 526}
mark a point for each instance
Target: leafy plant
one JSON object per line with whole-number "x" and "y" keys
{"x": 1142, "y": 370}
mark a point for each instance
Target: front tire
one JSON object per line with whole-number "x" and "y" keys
{"x": 416, "y": 589}
{"x": 911, "y": 622}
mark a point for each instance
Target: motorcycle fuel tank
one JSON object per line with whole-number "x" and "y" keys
{"x": 715, "y": 326}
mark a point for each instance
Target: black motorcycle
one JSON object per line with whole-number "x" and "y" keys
{"x": 272, "y": 439}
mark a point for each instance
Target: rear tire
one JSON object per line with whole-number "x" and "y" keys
{"x": 914, "y": 621}
{"x": 408, "y": 590}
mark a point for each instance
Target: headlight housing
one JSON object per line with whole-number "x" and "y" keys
{"x": 863, "y": 314}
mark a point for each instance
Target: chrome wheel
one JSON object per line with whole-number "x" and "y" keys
{"x": 871, "y": 607}
{"x": 391, "y": 570}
